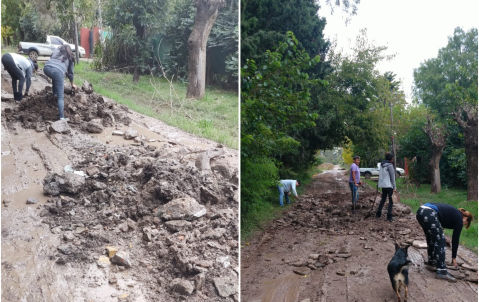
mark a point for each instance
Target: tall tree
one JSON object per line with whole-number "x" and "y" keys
{"x": 448, "y": 84}
{"x": 206, "y": 13}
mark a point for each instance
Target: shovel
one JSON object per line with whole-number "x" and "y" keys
{"x": 372, "y": 201}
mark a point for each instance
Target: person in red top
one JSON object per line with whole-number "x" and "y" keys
{"x": 433, "y": 217}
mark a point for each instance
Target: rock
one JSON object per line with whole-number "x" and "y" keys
{"x": 178, "y": 225}
{"x": 60, "y": 126}
{"x": 147, "y": 234}
{"x": 183, "y": 287}
{"x": 87, "y": 87}
{"x": 54, "y": 184}
{"x": 68, "y": 236}
{"x": 300, "y": 263}
{"x": 183, "y": 209}
{"x": 32, "y": 200}
{"x": 466, "y": 266}
{"x": 225, "y": 287}
{"x": 112, "y": 280}
{"x": 65, "y": 249}
{"x": 111, "y": 251}
{"x": 119, "y": 133}
{"x": 208, "y": 197}
{"x": 123, "y": 227}
{"x": 222, "y": 170}
{"x": 419, "y": 244}
{"x": 302, "y": 271}
{"x": 314, "y": 256}
{"x": 94, "y": 127}
{"x": 214, "y": 233}
{"x": 341, "y": 272}
{"x": 92, "y": 170}
{"x": 103, "y": 261}
{"x": 199, "y": 281}
{"x": 405, "y": 232}
{"x": 203, "y": 161}
{"x": 130, "y": 134}
{"x": 7, "y": 201}
{"x": 121, "y": 258}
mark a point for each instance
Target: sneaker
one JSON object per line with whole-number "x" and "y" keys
{"x": 448, "y": 277}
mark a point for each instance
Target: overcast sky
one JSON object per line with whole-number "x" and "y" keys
{"x": 414, "y": 30}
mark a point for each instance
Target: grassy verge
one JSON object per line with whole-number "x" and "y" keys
{"x": 454, "y": 197}
{"x": 266, "y": 211}
{"x": 214, "y": 117}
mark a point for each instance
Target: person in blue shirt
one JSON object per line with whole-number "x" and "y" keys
{"x": 285, "y": 187}
{"x": 20, "y": 70}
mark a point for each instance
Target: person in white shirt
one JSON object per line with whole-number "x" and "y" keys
{"x": 285, "y": 187}
{"x": 21, "y": 70}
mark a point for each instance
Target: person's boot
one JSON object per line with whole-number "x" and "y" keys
{"x": 448, "y": 277}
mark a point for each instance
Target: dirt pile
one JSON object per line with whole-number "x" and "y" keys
{"x": 169, "y": 214}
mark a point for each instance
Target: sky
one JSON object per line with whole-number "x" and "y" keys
{"x": 414, "y": 30}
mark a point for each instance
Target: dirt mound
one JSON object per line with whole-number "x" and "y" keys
{"x": 120, "y": 199}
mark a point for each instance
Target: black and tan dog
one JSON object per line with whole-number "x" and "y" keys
{"x": 398, "y": 269}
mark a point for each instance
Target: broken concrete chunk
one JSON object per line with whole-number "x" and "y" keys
{"x": 92, "y": 170}
{"x": 94, "y": 127}
{"x": 214, "y": 233}
{"x": 60, "y": 126}
{"x": 199, "y": 281}
{"x": 130, "y": 134}
{"x": 419, "y": 244}
{"x": 183, "y": 287}
{"x": 87, "y": 87}
{"x": 183, "y": 209}
{"x": 32, "y": 200}
{"x": 65, "y": 249}
{"x": 225, "y": 287}
{"x": 178, "y": 225}
{"x": 103, "y": 261}
{"x": 54, "y": 184}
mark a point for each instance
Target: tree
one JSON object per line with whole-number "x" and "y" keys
{"x": 206, "y": 13}
{"x": 448, "y": 84}
{"x": 437, "y": 135}
{"x": 134, "y": 22}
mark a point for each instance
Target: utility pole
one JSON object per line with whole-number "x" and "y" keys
{"x": 77, "y": 58}
{"x": 392, "y": 133}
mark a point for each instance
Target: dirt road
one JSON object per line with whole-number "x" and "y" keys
{"x": 165, "y": 200}
{"x": 319, "y": 251}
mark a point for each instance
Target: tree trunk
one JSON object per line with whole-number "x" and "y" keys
{"x": 77, "y": 52}
{"x": 136, "y": 74}
{"x": 437, "y": 135}
{"x": 434, "y": 171}
{"x": 206, "y": 13}
{"x": 468, "y": 122}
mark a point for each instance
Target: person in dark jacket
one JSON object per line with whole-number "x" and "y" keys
{"x": 62, "y": 61}
{"x": 20, "y": 70}
{"x": 433, "y": 217}
{"x": 387, "y": 181}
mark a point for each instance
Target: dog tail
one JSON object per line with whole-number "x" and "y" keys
{"x": 406, "y": 265}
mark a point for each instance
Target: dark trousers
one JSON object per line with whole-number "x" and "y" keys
{"x": 387, "y": 192}
{"x": 436, "y": 241}
{"x": 16, "y": 74}
{"x": 57, "y": 85}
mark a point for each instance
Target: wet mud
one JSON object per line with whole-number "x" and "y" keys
{"x": 121, "y": 207}
{"x": 319, "y": 251}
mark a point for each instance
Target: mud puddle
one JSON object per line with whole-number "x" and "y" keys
{"x": 322, "y": 252}
{"x": 151, "y": 214}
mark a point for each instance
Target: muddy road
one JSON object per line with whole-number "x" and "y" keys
{"x": 113, "y": 205}
{"x": 318, "y": 251}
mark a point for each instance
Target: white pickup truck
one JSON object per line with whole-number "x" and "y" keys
{"x": 33, "y": 50}
{"x": 368, "y": 172}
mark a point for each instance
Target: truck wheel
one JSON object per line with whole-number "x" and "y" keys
{"x": 367, "y": 175}
{"x": 33, "y": 55}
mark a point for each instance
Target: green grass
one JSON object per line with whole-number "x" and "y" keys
{"x": 214, "y": 117}
{"x": 452, "y": 196}
{"x": 264, "y": 212}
